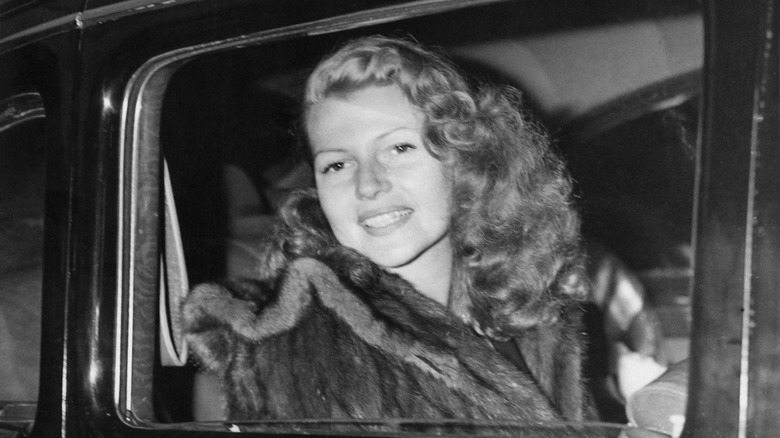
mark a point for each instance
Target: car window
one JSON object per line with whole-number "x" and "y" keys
{"x": 22, "y": 177}
{"x": 227, "y": 126}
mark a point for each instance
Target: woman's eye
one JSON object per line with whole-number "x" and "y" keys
{"x": 402, "y": 147}
{"x": 333, "y": 167}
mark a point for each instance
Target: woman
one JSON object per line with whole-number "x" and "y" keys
{"x": 435, "y": 270}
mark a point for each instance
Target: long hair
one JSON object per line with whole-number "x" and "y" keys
{"x": 514, "y": 229}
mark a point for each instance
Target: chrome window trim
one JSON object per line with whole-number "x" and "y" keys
{"x": 20, "y": 108}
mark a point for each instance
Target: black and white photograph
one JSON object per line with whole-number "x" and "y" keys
{"x": 390, "y": 218}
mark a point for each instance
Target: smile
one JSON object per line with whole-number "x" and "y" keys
{"x": 386, "y": 219}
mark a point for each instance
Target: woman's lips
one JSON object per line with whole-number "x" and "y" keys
{"x": 377, "y": 220}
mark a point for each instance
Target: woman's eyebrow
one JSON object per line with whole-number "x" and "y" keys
{"x": 323, "y": 151}
{"x": 377, "y": 138}
{"x": 392, "y": 131}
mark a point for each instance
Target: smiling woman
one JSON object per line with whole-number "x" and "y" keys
{"x": 453, "y": 190}
{"x": 381, "y": 190}
{"x": 675, "y": 178}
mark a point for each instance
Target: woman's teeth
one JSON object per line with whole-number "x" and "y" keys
{"x": 386, "y": 219}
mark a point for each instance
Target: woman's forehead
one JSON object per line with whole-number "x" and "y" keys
{"x": 372, "y": 111}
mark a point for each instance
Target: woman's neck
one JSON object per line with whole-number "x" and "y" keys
{"x": 431, "y": 272}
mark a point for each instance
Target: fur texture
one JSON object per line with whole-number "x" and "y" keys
{"x": 314, "y": 343}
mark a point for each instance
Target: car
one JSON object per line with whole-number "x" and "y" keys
{"x": 146, "y": 144}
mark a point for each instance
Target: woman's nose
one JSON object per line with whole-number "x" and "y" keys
{"x": 372, "y": 179}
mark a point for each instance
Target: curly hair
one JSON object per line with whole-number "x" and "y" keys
{"x": 514, "y": 228}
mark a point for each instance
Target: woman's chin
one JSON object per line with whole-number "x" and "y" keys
{"x": 404, "y": 251}
{"x": 392, "y": 261}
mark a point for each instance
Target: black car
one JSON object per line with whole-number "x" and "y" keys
{"x": 145, "y": 146}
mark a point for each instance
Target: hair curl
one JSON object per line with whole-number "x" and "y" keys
{"x": 514, "y": 228}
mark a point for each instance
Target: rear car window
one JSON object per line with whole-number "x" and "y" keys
{"x": 22, "y": 177}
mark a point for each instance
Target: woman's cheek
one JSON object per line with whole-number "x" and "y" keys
{"x": 335, "y": 205}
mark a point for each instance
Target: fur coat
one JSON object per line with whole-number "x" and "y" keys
{"x": 320, "y": 340}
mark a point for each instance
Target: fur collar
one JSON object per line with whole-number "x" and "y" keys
{"x": 321, "y": 339}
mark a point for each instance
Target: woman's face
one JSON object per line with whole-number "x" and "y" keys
{"x": 382, "y": 192}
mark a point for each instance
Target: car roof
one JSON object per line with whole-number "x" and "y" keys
{"x": 569, "y": 74}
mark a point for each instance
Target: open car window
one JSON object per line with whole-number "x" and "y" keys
{"x": 220, "y": 124}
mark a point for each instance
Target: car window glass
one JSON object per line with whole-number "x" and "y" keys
{"x": 21, "y": 257}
